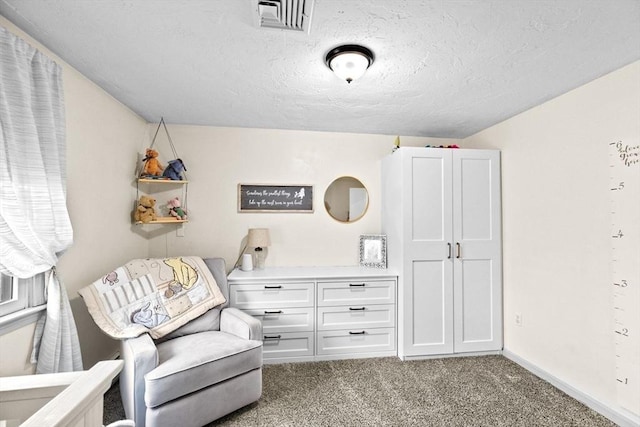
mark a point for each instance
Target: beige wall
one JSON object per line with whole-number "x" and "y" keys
{"x": 103, "y": 137}
{"x": 556, "y": 227}
{"x": 218, "y": 159}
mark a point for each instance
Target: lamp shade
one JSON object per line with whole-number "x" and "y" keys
{"x": 258, "y": 238}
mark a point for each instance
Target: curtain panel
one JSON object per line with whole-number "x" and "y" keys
{"x": 34, "y": 223}
{"x": 35, "y": 227}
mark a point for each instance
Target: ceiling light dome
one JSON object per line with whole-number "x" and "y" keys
{"x": 350, "y": 61}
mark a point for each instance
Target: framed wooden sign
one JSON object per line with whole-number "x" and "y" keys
{"x": 275, "y": 198}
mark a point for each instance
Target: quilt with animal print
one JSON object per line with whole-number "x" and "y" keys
{"x": 154, "y": 296}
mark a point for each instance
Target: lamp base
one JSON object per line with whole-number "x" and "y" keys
{"x": 261, "y": 256}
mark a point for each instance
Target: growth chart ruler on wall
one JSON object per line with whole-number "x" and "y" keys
{"x": 624, "y": 164}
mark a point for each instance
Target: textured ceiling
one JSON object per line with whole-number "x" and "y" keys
{"x": 445, "y": 68}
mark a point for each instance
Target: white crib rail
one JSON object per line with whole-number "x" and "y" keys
{"x": 73, "y": 399}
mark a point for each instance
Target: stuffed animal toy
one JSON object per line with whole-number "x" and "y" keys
{"x": 145, "y": 212}
{"x": 174, "y": 169}
{"x": 152, "y": 166}
{"x": 175, "y": 209}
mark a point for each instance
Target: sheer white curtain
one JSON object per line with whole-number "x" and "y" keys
{"x": 34, "y": 223}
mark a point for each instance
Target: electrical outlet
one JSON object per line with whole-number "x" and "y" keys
{"x": 518, "y": 319}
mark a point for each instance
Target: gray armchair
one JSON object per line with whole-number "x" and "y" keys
{"x": 206, "y": 369}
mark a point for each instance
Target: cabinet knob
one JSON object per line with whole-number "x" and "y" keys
{"x": 356, "y": 285}
{"x": 273, "y": 287}
{"x": 357, "y": 333}
{"x": 449, "y": 250}
{"x": 273, "y": 312}
{"x": 458, "y": 250}
{"x": 356, "y": 308}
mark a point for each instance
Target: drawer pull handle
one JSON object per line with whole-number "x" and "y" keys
{"x": 356, "y": 333}
{"x": 356, "y": 285}
{"x": 272, "y": 337}
{"x": 356, "y": 308}
{"x": 273, "y": 312}
{"x": 273, "y": 287}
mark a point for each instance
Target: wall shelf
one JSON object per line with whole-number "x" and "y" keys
{"x": 163, "y": 220}
{"x": 169, "y": 185}
{"x": 161, "y": 181}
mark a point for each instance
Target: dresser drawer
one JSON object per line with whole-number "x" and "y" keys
{"x": 356, "y": 341}
{"x": 357, "y": 292}
{"x": 284, "y": 319}
{"x": 354, "y": 317}
{"x": 269, "y": 295}
{"x": 287, "y": 344}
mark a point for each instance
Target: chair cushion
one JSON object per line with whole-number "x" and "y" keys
{"x": 193, "y": 362}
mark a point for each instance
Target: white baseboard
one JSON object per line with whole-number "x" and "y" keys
{"x": 445, "y": 356}
{"x": 616, "y": 414}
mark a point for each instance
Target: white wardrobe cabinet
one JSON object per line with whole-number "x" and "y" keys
{"x": 441, "y": 214}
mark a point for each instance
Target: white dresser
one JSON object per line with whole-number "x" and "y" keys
{"x": 319, "y": 313}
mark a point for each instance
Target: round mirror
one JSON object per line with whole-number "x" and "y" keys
{"x": 346, "y": 199}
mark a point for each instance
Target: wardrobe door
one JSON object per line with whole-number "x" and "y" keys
{"x": 427, "y": 267}
{"x": 477, "y": 251}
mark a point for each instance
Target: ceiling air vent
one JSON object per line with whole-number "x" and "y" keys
{"x": 292, "y": 15}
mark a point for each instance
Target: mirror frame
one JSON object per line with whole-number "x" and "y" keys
{"x": 364, "y": 211}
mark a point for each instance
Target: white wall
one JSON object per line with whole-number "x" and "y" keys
{"x": 218, "y": 159}
{"x": 556, "y": 228}
{"x": 103, "y": 137}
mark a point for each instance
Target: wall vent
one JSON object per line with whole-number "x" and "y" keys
{"x": 292, "y": 15}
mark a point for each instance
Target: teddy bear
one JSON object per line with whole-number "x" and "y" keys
{"x": 174, "y": 169}
{"x": 152, "y": 166}
{"x": 145, "y": 212}
{"x": 175, "y": 209}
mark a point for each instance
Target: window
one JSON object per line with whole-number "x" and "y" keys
{"x": 12, "y": 298}
{"x": 7, "y": 290}
{"x": 18, "y": 294}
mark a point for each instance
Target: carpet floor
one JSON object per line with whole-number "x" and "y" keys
{"x": 464, "y": 391}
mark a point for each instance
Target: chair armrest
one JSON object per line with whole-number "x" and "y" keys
{"x": 140, "y": 356}
{"x": 122, "y": 423}
{"x": 241, "y": 324}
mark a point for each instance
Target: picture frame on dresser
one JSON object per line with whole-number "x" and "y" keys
{"x": 373, "y": 250}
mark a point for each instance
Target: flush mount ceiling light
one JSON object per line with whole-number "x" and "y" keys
{"x": 349, "y": 62}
